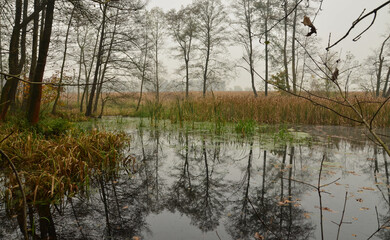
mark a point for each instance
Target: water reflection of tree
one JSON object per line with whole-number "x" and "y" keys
{"x": 199, "y": 195}
{"x": 283, "y": 220}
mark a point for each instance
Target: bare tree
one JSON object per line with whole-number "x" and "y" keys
{"x": 212, "y": 35}
{"x": 183, "y": 28}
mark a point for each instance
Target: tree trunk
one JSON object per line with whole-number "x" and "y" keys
{"x": 285, "y": 44}
{"x": 53, "y": 111}
{"x": 9, "y": 90}
{"x": 266, "y": 49}
{"x": 206, "y": 63}
{"x": 103, "y": 73}
{"x": 293, "y": 54}
{"x": 380, "y": 67}
{"x": 250, "y": 50}
{"x": 36, "y": 89}
{"x": 98, "y": 63}
{"x": 386, "y": 92}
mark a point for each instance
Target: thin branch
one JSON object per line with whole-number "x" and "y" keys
{"x": 357, "y": 21}
{"x": 342, "y": 215}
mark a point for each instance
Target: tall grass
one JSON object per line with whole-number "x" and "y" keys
{"x": 59, "y": 166}
{"x": 223, "y": 107}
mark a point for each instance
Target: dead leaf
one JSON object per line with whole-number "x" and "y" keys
{"x": 354, "y": 235}
{"x": 125, "y": 207}
{"x": 307, "y": 215}
{"x": 368, "y": 188}
{"x": 354, "y": 218}
{"x": 335, "y": 74}
{"x": 364, "y": 209}
{"x": 359, "y": 200}
{"x": 136, "y": 238}
{"x": 307, "y": 22}
{"x": 258, "y": 236}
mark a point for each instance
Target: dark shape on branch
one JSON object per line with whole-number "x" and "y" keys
{"x": 335, "y": 74}
{"x": 307, "y": 22}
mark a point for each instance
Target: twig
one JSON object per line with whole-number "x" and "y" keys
{"x": 261, "y": 220}
{"x": 342, "y": 215}
{"x": 218, "y": 235}
{"x": 379, "y": 228}
{"x": 356, "y": 22}
{"x": 320, "y": 197}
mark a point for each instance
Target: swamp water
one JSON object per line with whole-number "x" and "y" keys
{"x": 194, "y": 184}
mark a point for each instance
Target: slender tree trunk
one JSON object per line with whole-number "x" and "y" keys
{"x": 53, "y": 111}
{"x": 205, "y": 73}
{"x": 386, "y": 92}
{"x": 34, "y": 51}
{"x": 248, "y": 13}
{"x": 98, "y": 63}
{"x": 156, "y": 66}
{"x": 266, "y": 49}
{"x": 293, "y": 54}
{"x": 103, "y": 73}
{"x": 380, "y": 67}
{"x": 9, "y": 90}
{"x": 36, "y": 89}
{"x": 187, "y": 77}
{"x": 1, "y": 55}
{"x": 285, "y": 60}
{"x": 144, "y": 65}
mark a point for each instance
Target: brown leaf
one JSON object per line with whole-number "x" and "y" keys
{"x": 258, "y": 236}
{"x": 359, "y": 200}
{"x": 136, "y": 238}
{"x": 369, "y": 188}
{"x": 307, "y": 22}
{"x": 335, "y": 74}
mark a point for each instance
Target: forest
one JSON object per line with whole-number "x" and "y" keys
{"x": 120, "y": 120}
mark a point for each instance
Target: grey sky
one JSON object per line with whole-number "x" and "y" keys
{"x": 336, "y": 17}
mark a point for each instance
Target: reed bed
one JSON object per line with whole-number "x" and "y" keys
{"x": 242, "y": 106}
{"x": 60, "y": 166}
{"x": 274, "y": 109}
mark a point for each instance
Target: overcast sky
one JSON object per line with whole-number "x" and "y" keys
{"x": 336, "y": 17}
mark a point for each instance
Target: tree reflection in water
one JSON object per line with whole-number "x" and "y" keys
{"x": 244, "y": 187}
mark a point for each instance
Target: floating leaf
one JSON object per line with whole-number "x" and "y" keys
{"x": 354, "y": 218}
{"x": 258, "y": 236}
{"x": 307, "y": 215}
{"x": 354, "y": 235}
{"x": 368, "y": 188}
{"x": 359, "y": 200}
{"x": 364, "y": 209}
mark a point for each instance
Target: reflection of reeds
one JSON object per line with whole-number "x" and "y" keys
{"x": 61, "y": 166}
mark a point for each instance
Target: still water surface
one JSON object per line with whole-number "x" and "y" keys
{"x": 192, "y": 184}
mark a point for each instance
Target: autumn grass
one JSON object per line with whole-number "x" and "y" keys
{"x": 242, "y": 106}
{"x": 58, "y": 165}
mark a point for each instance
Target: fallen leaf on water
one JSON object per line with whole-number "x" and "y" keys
{"x": 354, "y": 235}
{"x": 368, "y": 188}
{"x": 359, "y": 200}
{"x": 125, "y": 207}
{"x": 136, "y": 238}
{"x": 364, "y": 209}
{"x": 354, "y": 218}
{"x": 307, "y": 215}
{"x": 386, "y": 228}
{"x": 360, "y": 191}
{"x": 258, "y": 236}
{"x": 326, "y": 209}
